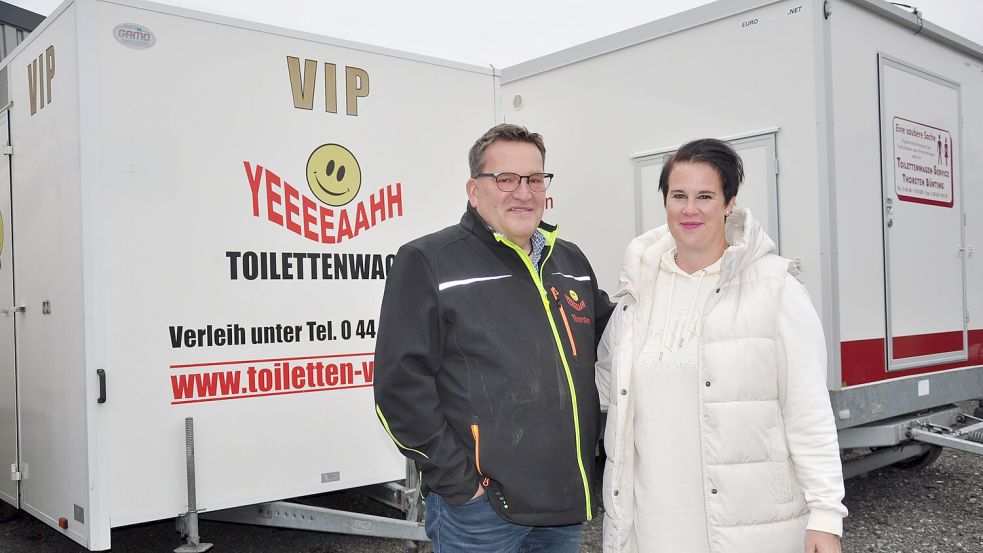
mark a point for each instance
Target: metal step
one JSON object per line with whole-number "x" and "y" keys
{"x": 283, "y": 514}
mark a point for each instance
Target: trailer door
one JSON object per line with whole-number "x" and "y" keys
{"x": 923, "y": 217}
{"x": 8, "y": 315}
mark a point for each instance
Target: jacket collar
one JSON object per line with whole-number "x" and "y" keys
{"x": 474, "y": 223}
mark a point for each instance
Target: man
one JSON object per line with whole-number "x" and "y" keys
{"x": 485, "y": 362}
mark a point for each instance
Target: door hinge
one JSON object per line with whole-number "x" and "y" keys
{"x": 15, "y": 474}
{"x": 7, "y": 150}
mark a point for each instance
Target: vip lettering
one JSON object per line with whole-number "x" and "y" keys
{"x": 40, "y": 73}
{"x": 303, "y": 83}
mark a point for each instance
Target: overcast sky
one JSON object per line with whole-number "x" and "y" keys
{"x": 496, "y": 32}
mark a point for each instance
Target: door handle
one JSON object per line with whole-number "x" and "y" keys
{"x": 102, "y": 385}
{"x": 14, "y": 309}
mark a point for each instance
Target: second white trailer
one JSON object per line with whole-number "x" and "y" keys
{"x": 861, "y": 129}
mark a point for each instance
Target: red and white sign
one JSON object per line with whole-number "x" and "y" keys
{"x": 923, "y": 163}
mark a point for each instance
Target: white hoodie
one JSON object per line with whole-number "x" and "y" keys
{"x": 765, "y": 444}
{"x": 669, "y": 488}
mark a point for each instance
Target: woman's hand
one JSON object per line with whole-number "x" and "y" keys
{"x": 821, "y": 542}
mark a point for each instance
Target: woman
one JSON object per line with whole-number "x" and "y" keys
{"x": 720, "y": 437}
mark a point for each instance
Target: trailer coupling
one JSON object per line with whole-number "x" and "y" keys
{"x": 967, "y": 438}
{"x": 909, "y": 441}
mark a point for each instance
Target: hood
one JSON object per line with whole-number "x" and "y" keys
{"x": 746, "y": 238}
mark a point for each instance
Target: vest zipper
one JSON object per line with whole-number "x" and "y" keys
{"x": 709, "y": 304}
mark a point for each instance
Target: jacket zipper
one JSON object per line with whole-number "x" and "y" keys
{"x": 566, "y": 323}
{"x": 477, "y": 454}
{"x": 538, "y": 280}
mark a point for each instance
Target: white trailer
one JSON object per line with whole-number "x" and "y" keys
{"x": 198, "y": 217}
{"x": 861, "y": 129}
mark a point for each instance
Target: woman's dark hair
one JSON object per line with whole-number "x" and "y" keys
{"x": 715, "y": 153}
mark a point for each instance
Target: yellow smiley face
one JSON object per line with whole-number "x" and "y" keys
{"x": 333, "y": 174}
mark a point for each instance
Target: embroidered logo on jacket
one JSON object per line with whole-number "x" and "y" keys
{"x": 572, "y": 300}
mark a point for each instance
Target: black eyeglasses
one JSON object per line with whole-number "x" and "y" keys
{"x": 508, "y": 182}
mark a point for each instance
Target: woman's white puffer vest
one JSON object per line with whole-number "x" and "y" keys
{"x": 771, "y": 462}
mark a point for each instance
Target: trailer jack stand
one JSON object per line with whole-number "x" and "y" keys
{"x": 187, "y": 524}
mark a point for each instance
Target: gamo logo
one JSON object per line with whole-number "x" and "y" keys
{"x": 134, "y": 36}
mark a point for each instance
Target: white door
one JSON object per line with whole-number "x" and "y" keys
{"x": 8, "y": 366}
{"x": 923, "y": 217}
{"x": 759, "y": 192}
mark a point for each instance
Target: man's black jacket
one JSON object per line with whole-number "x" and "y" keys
{"x": 485, "y": 370}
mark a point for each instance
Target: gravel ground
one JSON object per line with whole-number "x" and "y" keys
{"x": 891, "y": 511}
{"x": 937, "y": 508}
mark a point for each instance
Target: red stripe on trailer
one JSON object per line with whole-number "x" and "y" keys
{"x": 927, "y": 344}
{"x": 864, "y": 361}
{"x": 916, "y": 200}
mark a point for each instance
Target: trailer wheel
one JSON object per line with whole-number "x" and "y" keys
{"x": 922, "y": 461}
{"x": 7, "y": 511}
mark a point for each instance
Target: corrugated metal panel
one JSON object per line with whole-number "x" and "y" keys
{"x": 9, "y": 40}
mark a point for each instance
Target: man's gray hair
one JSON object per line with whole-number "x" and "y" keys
{"x": 508, "y": 133}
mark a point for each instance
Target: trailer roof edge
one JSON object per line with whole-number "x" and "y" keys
{"x": 922, "y": 26}
{"x": 232, "y": 21}
{"x": 645, "y": 32}
{"x": 709, "y": 13}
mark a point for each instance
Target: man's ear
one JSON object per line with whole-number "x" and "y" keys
{"x": 472, "y": 189}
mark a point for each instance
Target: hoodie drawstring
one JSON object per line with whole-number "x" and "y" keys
{"x": 689, "y": 328}
{"x": 665, "y": 326}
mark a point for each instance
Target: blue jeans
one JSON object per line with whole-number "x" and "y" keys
{"x": 476, "y": 528}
